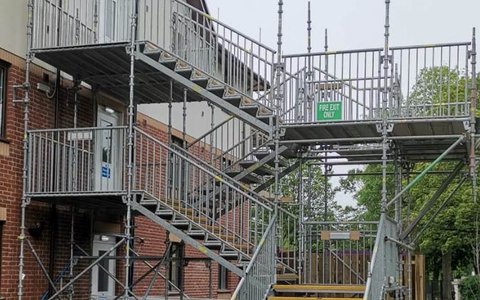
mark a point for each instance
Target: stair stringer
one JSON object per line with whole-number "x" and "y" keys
{"x": 383, "y": 270}
{"x": 207, "y": 95}
{"x": 187, "y": 239}
{"x": 260, "y": 163}
{"x": 282, "y": 174}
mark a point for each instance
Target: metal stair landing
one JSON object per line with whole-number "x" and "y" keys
{"x": 207, "y": 86}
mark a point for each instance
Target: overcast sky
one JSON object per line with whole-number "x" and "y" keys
{"x": 352, "y": 24}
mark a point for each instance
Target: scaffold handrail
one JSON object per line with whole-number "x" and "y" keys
{"x": 260, "y": 272}
{"x": 423, "y": 82}
{"x": 216, "y": 204}
{"x": 234, "y": 58}
{"x": 223, "y": 24}
{"x": 210, "y": 170}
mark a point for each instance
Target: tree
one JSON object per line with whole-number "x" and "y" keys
{"x": 317, "y": 193}
{"x": 437, "y": 91}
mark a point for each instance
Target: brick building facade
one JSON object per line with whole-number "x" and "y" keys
{"x": 49, "y": 221}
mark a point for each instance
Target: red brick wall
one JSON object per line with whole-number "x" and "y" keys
{"x": 42, "y": 115}
{"x": 196, "y": 272}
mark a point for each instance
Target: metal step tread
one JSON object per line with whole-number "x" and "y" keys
{"x": 210, "y": 89}
{"x": 319, "y": 288}
{"x": 248, "y": 179}
{"x": 261, "y": 170}
{"x": 287, "y": 277}
{"x": 260, "y": 154}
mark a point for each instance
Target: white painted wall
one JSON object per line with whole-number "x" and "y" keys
{"x": 199, "y": 122}
{"x": 198, "y": 116}
{"x": 13, "y": 26}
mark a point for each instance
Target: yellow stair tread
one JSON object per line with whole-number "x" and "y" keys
{"x": 287, "y": 276}
{"x": 318, "y": 288}
{"x": 305, "y": 298}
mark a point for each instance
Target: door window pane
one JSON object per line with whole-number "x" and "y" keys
{"x": 106, "y": 143}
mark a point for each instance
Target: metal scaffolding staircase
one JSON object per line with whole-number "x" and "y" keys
{"x": 204, "y": 207}
{"x": 208, "y": 87}
{"x": 280, "y": 108}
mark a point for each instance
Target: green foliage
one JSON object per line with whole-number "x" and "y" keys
{"x": 451, "y": 231}
{"x": 439, "y": 85}
{"x": 436, "y": 92}
{"x": 470, "y": 288}
{"x": 316, "y": 192}
{"x": 367, "y": 190}
{"x": 440, "y": 91}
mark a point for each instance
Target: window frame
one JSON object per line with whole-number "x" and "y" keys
{"x": 4, "y": 66}
{"x": 175, "y": 266}
{"x": 223, "y": 278}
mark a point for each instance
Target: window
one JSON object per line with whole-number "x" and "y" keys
{"x": 176, "y": 170}
{"x": 102, "y": 275}
{"x": 175, "y": 267}
{"x": 3, "y": 96}
{"x": 222, "y": 278}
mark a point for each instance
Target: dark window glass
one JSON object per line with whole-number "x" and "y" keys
{"x": 3, "y": 94}
{"x": 222, "y": 278}
{"x": 175, "y": 268}
{"x": 102, "y": 275}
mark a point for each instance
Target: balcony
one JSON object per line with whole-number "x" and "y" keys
{"x": 93, "y": 161}
{"x": 423, "y": 82}
{"x": 80, "y": 161}
{"x": 90, "y": 40}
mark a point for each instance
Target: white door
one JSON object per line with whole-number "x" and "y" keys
{"x": 113, "y": 20}
{"x": 108, "y": 162}
{"x": 103, "y": 285}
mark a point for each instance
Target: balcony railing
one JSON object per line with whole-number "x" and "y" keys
{"x": 423, "y": 82}
{"x": 76, "y": 161}
{"x": 208, "y": 44}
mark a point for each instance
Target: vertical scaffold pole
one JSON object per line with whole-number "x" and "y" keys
{"x": 212, "y": 125}
{"x": 473, "y": 161}
{"x": 170, "y": 140}
{"x": 386, "y": 62}
{"x": 385, "y": 95}
{"x": 301, "y": 204}
{"x": 278, "y": 102}
{"x": 309, "y": 91}
{"x": 184, "y": 146}
{"x": 397, "y": 173}
{"x": 309, "y": 30}
{"x": 72, "y": 245}
{"x": 76, "y": 87}
{"x": 26, "y": 100}
{"x": 325, "y": 213}
{"x": 184, "y": 127}
{"x": 128, "y": 219}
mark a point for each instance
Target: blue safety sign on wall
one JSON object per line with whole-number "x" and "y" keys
{"x": 106, "y": 171}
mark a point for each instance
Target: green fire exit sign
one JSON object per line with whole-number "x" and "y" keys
{"x": 329, "y": 111}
